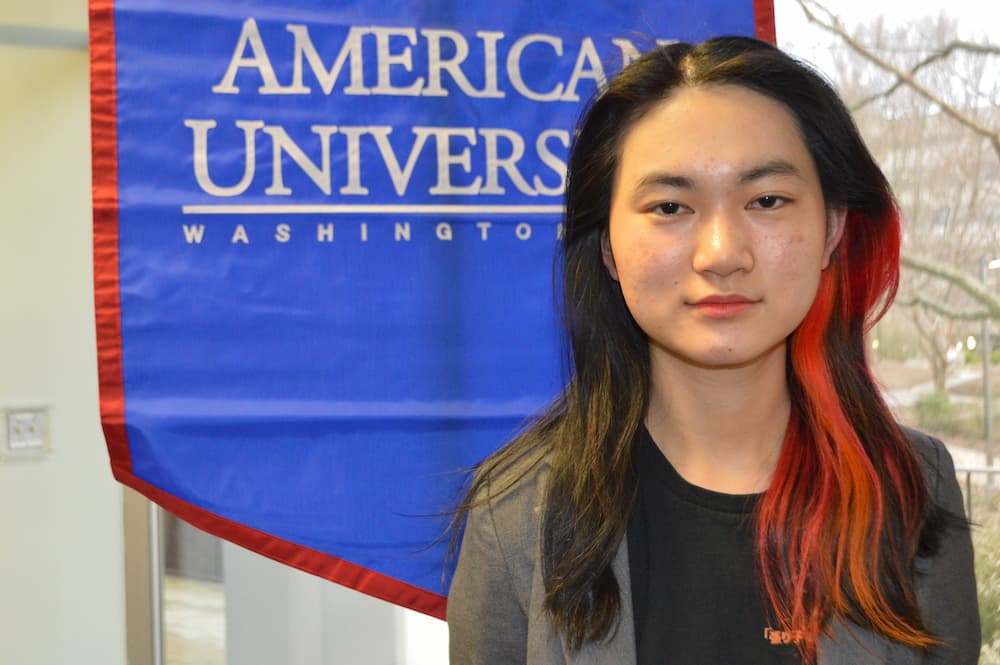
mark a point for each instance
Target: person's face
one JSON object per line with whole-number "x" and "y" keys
{"x": 718, "y": 230}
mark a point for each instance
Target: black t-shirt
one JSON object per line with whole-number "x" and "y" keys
{"x": 694, "y": 587}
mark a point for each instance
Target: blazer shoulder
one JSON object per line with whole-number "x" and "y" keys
{"x": 933, "y": 456}
{"x": 925, "y": 445}
{"x": 945, "y": 577}
{"x": 513, "y": 495}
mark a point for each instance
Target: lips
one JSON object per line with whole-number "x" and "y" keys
{"x": 723, "y": 306}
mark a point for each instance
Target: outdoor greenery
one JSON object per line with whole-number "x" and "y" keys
{"x": 936, "y": 411}
{"x": 939, "y": 414}
{"x": 986, "y": 537}
{"x": 974, "y": 357}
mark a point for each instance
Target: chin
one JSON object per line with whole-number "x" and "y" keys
{"x": 725, "y": 358}
{"x": 724, "y": 361}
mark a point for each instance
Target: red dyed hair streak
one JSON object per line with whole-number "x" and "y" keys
{"x": 839, "y": 527}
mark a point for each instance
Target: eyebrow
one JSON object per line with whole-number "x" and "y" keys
{"x": 770, "y": 168}
{"x": 773, "y": 167}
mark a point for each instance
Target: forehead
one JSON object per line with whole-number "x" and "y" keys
{"x": 712, "y": 131}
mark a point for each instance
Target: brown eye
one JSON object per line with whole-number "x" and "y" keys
{"x": 769, "y": 202}
{"x": 669, "y": 208}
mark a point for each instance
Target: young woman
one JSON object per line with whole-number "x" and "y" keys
{"x": 720, "y": 482}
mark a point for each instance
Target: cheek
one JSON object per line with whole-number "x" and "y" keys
{"x": 795, "y": 254}
{"x": 796, "y": 266}
{"x": 647, "y": 268}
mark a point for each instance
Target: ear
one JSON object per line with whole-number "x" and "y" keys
{"x": 836, "y": 220}
{"x": 607, "y": 256}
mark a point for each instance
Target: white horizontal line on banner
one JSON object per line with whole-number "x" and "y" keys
{"x": 303, "y": 209}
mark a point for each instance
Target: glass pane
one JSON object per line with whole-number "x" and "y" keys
{"x": 194, "y": 603}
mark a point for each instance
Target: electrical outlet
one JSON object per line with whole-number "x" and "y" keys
{"x": 27, "y": 433}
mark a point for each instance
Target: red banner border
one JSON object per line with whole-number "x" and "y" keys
{"x": 297, "y": 556}
{"x": 104, "y": 156}
{"x": 763, "y": 19}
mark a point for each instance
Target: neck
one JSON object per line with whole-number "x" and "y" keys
{"x": 721, "y": 428}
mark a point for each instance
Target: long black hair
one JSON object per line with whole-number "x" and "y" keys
{"x": 842, "y": 441}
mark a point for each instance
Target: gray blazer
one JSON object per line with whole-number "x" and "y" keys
{"x": 495, "y": 614}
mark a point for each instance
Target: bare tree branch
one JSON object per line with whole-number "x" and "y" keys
{"x": 833, "y": 25}
{"x": 983, "y": 49}
{"x": 970, "y": 285}
{"x": 927, "y": 341}
{"x": 940, "y": 54}
{"x": 944, "y": 310}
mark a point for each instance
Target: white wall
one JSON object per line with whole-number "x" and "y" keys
{"x": 276, "y": 614}
{"x": 61, "y": 580}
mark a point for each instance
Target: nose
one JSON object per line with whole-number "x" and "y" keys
{"x": 722, "y": 244}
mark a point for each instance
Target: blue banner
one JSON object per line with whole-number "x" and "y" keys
{"x": 324, "y": 244}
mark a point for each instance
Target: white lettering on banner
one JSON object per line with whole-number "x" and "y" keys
{"x": 326, "y": 77}
{"x": 199, "y": 129}
{"x": 587, "y": 56}
{"x": 194, "y": 234}
{"x": 627, "y": 49}
{"x": 386, "y": 60}
{"x": 281, "y": 143}
{"x": 370, "y": 209}
{"x": 557, "y": 165}
{"x": 250, "y": 36}
{"x": 251, "y": 53}
{"x": 400, "y": 177}
{"x": 240, "y": 235}
{"x": 435, "y": 65}
{"x": 508, "y": 164}
{"x": 445, "y": 160}
{"x": 397, "y": 61}
{"x": 514, "y": 67}
{"x": 448, "y": 153}
{"x": 484, "y": 228}
{"x": 354, "y": 185}
{"x": 443, "y": 231}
